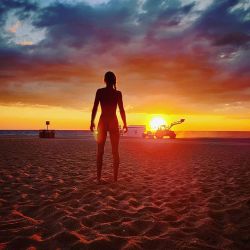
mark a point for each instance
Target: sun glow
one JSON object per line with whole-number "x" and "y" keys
{"x": 156, "y": 122}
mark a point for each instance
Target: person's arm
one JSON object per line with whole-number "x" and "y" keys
{"x": 122, "y": 112}
{"x": 94, "y": 110}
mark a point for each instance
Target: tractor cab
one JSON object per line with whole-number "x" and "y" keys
{"x": 163, "y": 127}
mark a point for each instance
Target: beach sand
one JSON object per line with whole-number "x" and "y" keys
{"x": 180, "y": 194}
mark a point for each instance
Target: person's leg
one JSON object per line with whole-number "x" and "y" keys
{"x": 114, "y": 138}
{"x": 101, "y": 139}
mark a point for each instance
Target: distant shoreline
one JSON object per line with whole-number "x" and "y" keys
{"x": 85, "y": 134}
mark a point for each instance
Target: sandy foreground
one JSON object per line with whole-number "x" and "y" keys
{"x": 182, "y": 194}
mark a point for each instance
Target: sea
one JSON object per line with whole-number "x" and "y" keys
{"x": 84, "y": 134}
{"x": 35, "y": 133}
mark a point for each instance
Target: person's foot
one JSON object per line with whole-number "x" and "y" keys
{"x": 115, "y": 172}
{"x": 98, "y": 181}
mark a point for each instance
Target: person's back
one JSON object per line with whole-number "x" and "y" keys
{"x": 109, "y": 98}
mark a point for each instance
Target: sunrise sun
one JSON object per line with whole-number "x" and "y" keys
{"x": 156, "y": 122}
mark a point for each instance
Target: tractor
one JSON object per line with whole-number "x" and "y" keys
{"x": 163, "y": 130}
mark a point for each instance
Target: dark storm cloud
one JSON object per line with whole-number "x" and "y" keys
{"x": 233, "y": 38}
{"x": 21, "y": 7}
{"x": 6, "y": 5}
{"x": 160, "y": 15}
{"x": 80, "y": 24}
{"x": 223, "y": 25}
{"x": 111, "y": 24}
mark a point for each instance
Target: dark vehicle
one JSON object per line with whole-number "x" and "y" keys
{"x": 46, "y": 133}
{"x": 148, "y": 134}
{"x": 43, "y": 133}
{"x": 163, "y": 130}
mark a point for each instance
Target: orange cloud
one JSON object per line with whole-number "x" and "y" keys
{"x": 25, "y": 43}
{"x": 14, "y": 27}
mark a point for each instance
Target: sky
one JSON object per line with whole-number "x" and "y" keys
{"x": 172, "y": 58}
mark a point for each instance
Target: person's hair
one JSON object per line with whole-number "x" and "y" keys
{"x": 110, "y": 79}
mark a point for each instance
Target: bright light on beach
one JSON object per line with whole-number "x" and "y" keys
{"x": 156, "y": 122}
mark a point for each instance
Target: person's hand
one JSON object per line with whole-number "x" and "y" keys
{"x": 92, "y": 126}
{"x": 125, "y": 128}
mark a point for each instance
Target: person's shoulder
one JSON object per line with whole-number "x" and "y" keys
{"x": 119, "y": 93}
{"x": 100, "y": 90}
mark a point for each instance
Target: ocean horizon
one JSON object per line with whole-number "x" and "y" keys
{"x": 87, "y": 133}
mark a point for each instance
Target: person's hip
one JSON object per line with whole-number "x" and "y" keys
{"x": 108, "y": 123}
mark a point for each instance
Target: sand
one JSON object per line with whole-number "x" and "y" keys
{"x": 182, "y": 194}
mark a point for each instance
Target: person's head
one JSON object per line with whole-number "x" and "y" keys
{"x": 110, "y": 79}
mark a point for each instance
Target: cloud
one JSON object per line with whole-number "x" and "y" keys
{"x": 235, "y": 39}
{"x": 224, "y": 26}
{"x": 14, "y": 27}
{"x": 25, "y": 43}
{"x": 80, "y": 25}
{"x": 184, "y": 55}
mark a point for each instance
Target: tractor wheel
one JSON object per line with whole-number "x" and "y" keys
{"x": 173, "y": 136}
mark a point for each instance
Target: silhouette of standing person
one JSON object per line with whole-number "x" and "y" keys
{"x": 109, "y": 98}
